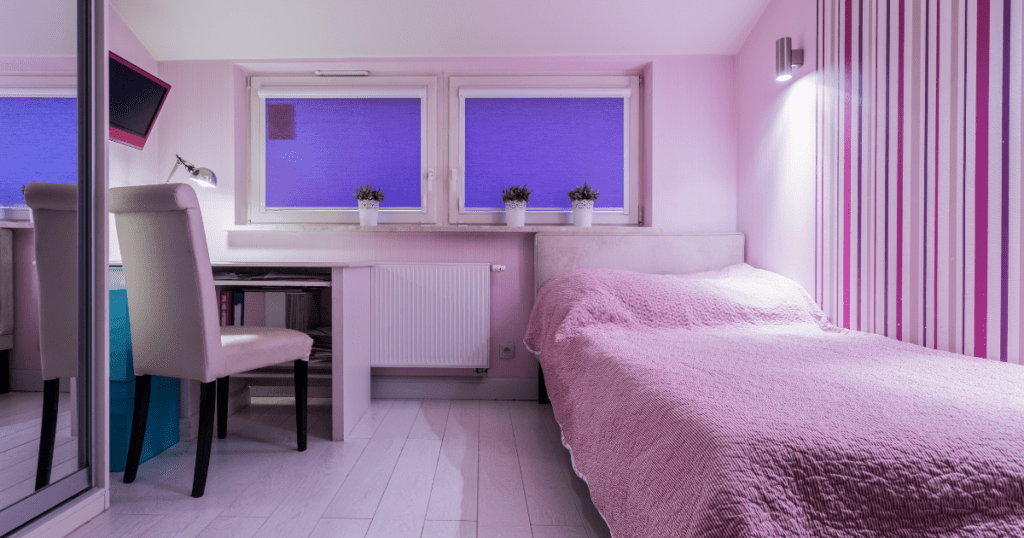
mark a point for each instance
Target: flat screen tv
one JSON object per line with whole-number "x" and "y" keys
{"x": 136, "y": 98}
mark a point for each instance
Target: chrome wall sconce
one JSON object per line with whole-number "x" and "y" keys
{"x": 203, "y": 176}
{"x": 786, "y": 58}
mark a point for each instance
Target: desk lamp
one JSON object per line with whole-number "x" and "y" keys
{"x": 203, "y": 176}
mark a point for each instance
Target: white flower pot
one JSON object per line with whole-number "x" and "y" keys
{"x": 583, "y": 213}
{"x": 515, "y": 213}
{"x": 368, "y": 212}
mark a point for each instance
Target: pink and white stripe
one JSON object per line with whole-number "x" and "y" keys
{"x": 919, "y": 187}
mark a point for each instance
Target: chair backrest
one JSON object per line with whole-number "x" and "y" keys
{"x": 172, "y": 307}
{"x": 55, "y": 212}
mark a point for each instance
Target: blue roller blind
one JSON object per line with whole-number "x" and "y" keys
{"x": 318, "y": 151}
{"x": 551, "y": 144}
{"x": 38, "y": 142}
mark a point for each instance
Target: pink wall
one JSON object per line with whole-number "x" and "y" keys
{"x": 692, "y": 144}
{"x": 776, "y": 176}
{"x": 126, "y": 165}
{"x": 41, "y": 28}
{"x": 205, "y": 119}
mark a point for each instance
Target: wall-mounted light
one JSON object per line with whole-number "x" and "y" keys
{"x": 786, "y": 58}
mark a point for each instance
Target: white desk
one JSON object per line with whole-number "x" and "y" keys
{"x": 350, "y": 328}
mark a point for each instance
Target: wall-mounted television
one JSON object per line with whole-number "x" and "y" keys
{"x": 136, "y": 98}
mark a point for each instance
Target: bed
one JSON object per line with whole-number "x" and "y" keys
{"x": 722, "y": 403}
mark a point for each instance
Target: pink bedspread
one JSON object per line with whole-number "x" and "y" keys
{"x": 725, "y": 405}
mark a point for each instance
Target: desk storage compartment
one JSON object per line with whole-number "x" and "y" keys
{"x": 162, "y": 425}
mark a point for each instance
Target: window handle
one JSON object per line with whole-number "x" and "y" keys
{"x": 429, "y": 189}
{"x": 455, "y": 188}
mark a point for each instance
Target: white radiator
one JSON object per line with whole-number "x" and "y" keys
{"x": 433, "y": 316}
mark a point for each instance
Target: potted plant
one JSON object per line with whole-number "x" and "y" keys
{"x": 515, "y": 199}
{"x": 369, "y": 202}
{"x": 583, "y": 205}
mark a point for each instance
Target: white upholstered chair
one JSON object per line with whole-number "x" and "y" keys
{"x": 174, "y": 322}
{"x": 55, "y": 212}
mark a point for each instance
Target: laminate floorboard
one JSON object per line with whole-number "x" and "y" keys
{"x": 232, "y": 527}
{"x": 427, "y": 469}
{"x": 454, "y": 493}
{"x": 403, "y": 508}
{"x": 541, "y": 531}
{"x": 545, "y": 478}
{"x": 502, "y": 511}
{"x": 299, "y": 513}
{"x": 430, "y": 421}
{"x": 361, "y": 493}
{"x": 341, "y": 528}
{"x": 449, "y": 529}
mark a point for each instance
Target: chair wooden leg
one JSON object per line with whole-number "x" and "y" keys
{"x": 222, "y": 406}
{"x": 301, "y": 400}
{"x": 207, "y": 394}
{"x": 47, "y": 433}
{"x": 140, "y": 414}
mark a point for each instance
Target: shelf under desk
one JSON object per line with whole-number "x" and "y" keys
{"x": 257, "y": 283}
{"x": 349, "y": 289}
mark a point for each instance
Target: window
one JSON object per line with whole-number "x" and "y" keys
{"x": 550, "y": 133}
{"x": 38, "y": 140}
{"x": 316, "y": 140}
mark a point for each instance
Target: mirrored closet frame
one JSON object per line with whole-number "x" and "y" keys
{"x": 88, "y": 484}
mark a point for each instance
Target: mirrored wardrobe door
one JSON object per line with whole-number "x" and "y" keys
{"x": 44, "y": 164}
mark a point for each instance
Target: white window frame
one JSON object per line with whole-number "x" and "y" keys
{"x": 627, "y": 87}
{"x": 263, "y": 87}
{"x": 56, "y": 86}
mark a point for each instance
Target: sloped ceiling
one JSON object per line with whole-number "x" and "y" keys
{"x": 267, "y": 29}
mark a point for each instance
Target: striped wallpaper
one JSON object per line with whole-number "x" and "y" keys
{"x": 919, "y": 171}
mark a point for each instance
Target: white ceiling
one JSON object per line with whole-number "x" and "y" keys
{"x": 266, "y": 29}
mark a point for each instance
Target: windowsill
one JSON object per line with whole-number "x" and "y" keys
{"x": 16, "y": 224}
{"x": 438, "y": 228}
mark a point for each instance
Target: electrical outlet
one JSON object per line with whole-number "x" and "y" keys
{"x": 506, "y": 351}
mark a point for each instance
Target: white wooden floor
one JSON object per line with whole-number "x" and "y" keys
{"x": 21, "y": 415}
{"x": 431, "y": 469}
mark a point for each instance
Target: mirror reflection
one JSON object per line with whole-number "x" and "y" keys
{"x": 38, "y": 247}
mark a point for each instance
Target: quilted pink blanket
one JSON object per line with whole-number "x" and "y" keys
{"x": 725, "y": 405}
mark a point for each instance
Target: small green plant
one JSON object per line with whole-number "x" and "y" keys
{"x": 367, "y": 192}
{"x": 516, "y": 194}
{"x": 583, "y": 193}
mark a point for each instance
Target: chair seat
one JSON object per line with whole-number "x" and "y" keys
{"x": 247, "y": 348}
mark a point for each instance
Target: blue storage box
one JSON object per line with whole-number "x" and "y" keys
{"x": 162, "y": 424}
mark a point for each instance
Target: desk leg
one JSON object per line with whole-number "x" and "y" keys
{"x": 350, "y": 365}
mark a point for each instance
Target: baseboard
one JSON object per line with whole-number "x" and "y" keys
{"x": 65, "y": 519}
{"x": 288, "y": 391}
{"x": 454, "y": 388}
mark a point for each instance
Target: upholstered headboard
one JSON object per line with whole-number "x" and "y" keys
{"x": 656, "y": 253}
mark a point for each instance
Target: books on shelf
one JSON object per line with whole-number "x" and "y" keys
{"x": 254, "y": 308}
{"x": 288, "y": 308}
{"x": 291, "y": 309}
{"x": 237, "y": 311}
{"x": 225, "y": 308}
